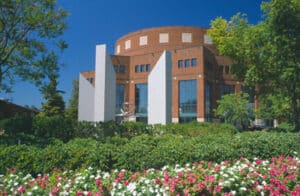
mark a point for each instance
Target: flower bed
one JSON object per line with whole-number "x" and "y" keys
{"x": 242, "y": 177}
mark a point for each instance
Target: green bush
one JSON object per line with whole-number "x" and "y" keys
{"x": 144, "y": 151}
{"x": 20, "y": 123}
{"x": 21, "y": 157}
{"x": 53, "y": 127}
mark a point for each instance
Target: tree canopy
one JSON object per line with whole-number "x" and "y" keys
{"x": 235, "y": 109}
{"x": 29, "y": 40}
{"x": 266, "y": 55}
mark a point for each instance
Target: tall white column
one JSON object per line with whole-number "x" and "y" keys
{"x": 85, "y": 100}
{"x": 105, "y": 86}
{"x": 160, "y": 91}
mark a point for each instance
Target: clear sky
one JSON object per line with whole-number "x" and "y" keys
{"x": 93, "y": 22}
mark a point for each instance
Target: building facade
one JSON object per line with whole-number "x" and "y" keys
{"x": 164, "y": 74}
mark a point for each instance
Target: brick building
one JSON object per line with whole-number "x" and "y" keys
{"x": 164, "y": 74}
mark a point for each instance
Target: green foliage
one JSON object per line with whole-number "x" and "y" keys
{"x": 53, "y": 126}
{"x": 145, "y": 151}
{"x": 20, "y": 123}
{"x": 27, "y": 30}
{"x": 267, "y": 54}
{"x": 72, "y": 109}
{"x": 234, "y": 109}
{"x": 54, "y": 104}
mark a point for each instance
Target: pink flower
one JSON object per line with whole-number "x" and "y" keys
{"x": 209, "y": 178}
{"x": 202, "y": 186}
{"x": 258, "y": 161}
{"x": 218, "y": 189}
{"x": 98, "y": 182}
{"x": 179, "y": 174}
{"x": 126, "y": 182}
{"x": 21, "y": 189}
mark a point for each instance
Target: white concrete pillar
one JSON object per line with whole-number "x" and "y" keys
{"x": 105, "y": 86}
{"x": 160, "y": 91}
{"x": 85, "y": 100}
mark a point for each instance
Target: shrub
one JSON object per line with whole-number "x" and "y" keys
{"x": 55, "y": 126}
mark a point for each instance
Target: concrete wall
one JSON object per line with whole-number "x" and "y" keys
{"x": 105, "y": 86}
{"x": 85, "y": 100}
{"x": 160, "y": 91}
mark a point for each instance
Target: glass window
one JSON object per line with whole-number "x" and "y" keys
{"x": 116, "y": 68}
{"x": 180, "y": 63}
{"x": 227, "y": 69}
{"x": 141, "y": 99}
{"x": 137, "y": 68}
{"x": 194, "y": 62}
{"x": 187, "y": 100}
{"x": 147, "y": 67}
{"x": 142, "y": 67}
{"x": 122, "y": 69}
{"x": 187, "y": 62}
{"x": 226, "y": 89}
{"x": 119, "y": 98}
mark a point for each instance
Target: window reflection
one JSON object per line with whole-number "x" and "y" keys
{"x": 141, "y": 99}
{"x": 119, "y": 98}
{"x": 187, "y": 100}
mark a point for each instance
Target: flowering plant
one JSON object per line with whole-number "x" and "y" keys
{"x": 278, "y": 176}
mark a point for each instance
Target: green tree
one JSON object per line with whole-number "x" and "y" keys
{"x": 72, "y": 109}
{"x": 267, "y": 54}
{"x": 235, "y": 109}
{"x": 29, "y": 38}
{"x": 54, "y": 104}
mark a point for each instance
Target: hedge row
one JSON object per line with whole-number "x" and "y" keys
{"x": 145, "y": 151}
{"x": 41, "y": 130}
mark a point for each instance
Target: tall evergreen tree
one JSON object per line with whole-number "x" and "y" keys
{"x": 54, "y": 104}
{"x": 72, "y": 109}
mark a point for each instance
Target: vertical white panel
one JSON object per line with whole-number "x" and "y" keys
{"x": 160, "y": 91}
{"x": 105, "y": 86}
{"x": 85, "y": 100}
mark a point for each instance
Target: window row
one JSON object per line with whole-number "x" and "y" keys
{"x": 142, "y": 68}
{"x": 163, "y": 38}
{"x": 119, "y": 68}
{"x": 187, "y": 63}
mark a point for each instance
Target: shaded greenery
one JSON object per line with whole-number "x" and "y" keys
{"x": 266, "y": 55}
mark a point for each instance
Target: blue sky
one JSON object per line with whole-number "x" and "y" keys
{"x": 93, "y": 22}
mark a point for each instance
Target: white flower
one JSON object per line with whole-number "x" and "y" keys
{"x": 233, "y": 192}
{"x": 35, "y": 188}
{"x": 16, "y": 184}
{"x": 243, "y": 189}
{"x": 29, "y": 193}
